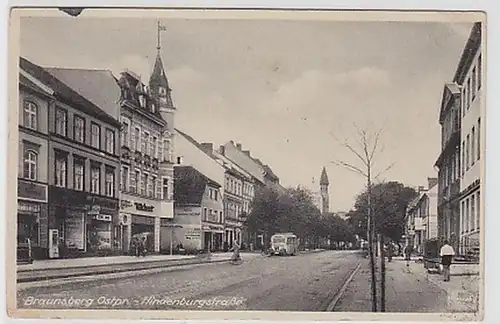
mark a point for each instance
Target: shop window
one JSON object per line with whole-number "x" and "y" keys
{"x": 61, "y": 170}
{"x": 61, "y": 121}
{"x": 30, "y": 114}
{"x": 79, "y": 129}
{"x": 79, "y": 174}
{"x": 110, "y": 182}
{"x": 30, "y": 164}
{"x": 28, "y": 225}
{"x": 110, "y": 141}
{"x": 96, "y": 136}
{"x": 95, "y": 179}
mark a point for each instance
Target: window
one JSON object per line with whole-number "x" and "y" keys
{"x": 473, "y": 148}
{"x": 137, "y": 181}
{"x": 468, "y": 94}
{"x": 216, "y": 196}
{"x": 125, "y": 134}
{"x": 467, "y": 152}
{"x": 61, "y": 121}
{"x": 153, "y": 108}
{"x": 479, "y": 69}
{"x": 463, "y": 217}
{"x": 153, "y": 147}
{"x": 204, "y": 214}
{"x": 110, "y": 182}
{"x": 463, "y": 157}
{"x": 143, "y": 184}
{"x": 147, "y": 185}
{"x": 110, "y": 141}
{"x": 472, "y": 212}
{"x": 145, "y": 142}
{"x": 95, "y": 179}
{"x": 125, "y": 180}
{"x": 179, "y": 160}
{"x": 78, "y": 174}
{"x": 478, "y": 205}
{"x": 79, "y": 129}
{"x": 30, "y": 115}
{"x": 30, "y": 164}
{"x": 153, "y": 187}
{"x": 478, "y": 138}
{"x": 165, "y": 189}
{"x": 474, "y": 79}
{"x": 220, "y": 217}
{"x": 96, "y": 136}
{"x": 467, "y": 215}
{"x": 137, "y": 139}
{"x": 61, "y": 170}
{"x": 464, "y": 101}
{"x": 167, "y": 152}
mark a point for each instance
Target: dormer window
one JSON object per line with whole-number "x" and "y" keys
{"x": 153, "y": 108}
{"x": 162, "y": 91}
{"x": 142, "y": 100}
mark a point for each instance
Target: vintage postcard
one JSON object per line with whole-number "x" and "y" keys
{"x": 246, "y": 164}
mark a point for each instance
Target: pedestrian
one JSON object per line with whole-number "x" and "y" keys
{"x": 447, "y": 253}
{"x": 143, "y": 246}
{"x": 407, "y": 252}
{"x": 390, "y": 251}
{"x": 236, "y": 251}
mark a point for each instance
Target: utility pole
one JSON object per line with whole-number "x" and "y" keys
{"x": 371, "y": 234}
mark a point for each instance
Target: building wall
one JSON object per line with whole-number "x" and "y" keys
{"x": 432, "y": 222}
{"x": 191, "y": 155}
{"x": 246, "y": 162}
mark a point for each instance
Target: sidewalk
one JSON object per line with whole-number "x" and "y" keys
{"x": 66, "y": 268}
{"x": 411, "y": 289}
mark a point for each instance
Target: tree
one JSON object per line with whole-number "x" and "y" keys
{"x": 366, "y": 154}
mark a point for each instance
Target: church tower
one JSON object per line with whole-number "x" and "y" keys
{"x": 325, "y": 201}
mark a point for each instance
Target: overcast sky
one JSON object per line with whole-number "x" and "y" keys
{"x": 281, "y": 88}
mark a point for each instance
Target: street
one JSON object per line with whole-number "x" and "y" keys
{"x": 306, "y": 282}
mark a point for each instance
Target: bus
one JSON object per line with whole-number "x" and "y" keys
{"x": 284, "y": 244}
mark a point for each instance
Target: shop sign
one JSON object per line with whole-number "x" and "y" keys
{"x": 143, "y": 220}
{"x": 94, "y": 210}
{"x": 144, "y": 207}
{"x": 100, "y": 217}
{"x": 32, "y": 190}
{"x": 187, "y": 212}
{"x": 126, "y": 204}
{"x": 193, "y": 234}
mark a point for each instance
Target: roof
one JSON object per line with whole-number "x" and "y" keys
{"x": 194, "y": 142}
{"x": 98, "y": 86}
{"x": 65, "y": 93}
{"x": 269, "y": 172}
{"x": 324, "y": 178}
{"x": 450, "y": 90}
{"x": 158, "y": 75}
{"x": 190, "y": 185}
{"x": 470, "y": 50}
{"x": 28, "y": 83}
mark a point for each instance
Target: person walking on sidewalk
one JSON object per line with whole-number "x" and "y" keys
{"x": 407, "y": 252}
{"x": 447, "y": 253}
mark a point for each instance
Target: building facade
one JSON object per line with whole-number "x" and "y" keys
{"x": 32, "y": 184}
{"x": 83, "y": 173}
{"x": 147, "y": 166}
{"x": 199, "y": 216}
{"x": 470, "y": 77}
{"x": 449, "y": 163}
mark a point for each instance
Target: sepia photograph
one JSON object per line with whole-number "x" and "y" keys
{"x": 165, "y": 163}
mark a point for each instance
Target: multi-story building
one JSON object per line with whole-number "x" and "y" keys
{"x": 190, "y": 152}
{"x": 448, "y": 164}
{"x": 238, "y": 194}
{"x": 147, "y": 116}
{"x": 470, "y": 77}
{"x": 421, "y": 216}
{"x": 199, "y": 221}
{"x": 84, "y": 162}
{"x": 35, "y": 97}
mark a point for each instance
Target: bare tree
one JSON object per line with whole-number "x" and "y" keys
{"x": 366, "y": 153}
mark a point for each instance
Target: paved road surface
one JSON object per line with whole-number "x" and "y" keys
{"x": 305, "y": 282}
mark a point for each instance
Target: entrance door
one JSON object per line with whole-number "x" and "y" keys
{"x": 207, "y": 239}
{"x": 125, "y": 238}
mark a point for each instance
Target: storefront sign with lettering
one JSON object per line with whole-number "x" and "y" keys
{"x": 32, "y": 190}
{"x": 144, "y": 207}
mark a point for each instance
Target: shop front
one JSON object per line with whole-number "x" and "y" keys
{"x": 139, "y": 219}
{"x": 212, "y": 237}
{"x": 82, "y": 224}
{"x": 32, "y": 217}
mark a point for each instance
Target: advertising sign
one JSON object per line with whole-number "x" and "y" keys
{"x": 74, "y": 227}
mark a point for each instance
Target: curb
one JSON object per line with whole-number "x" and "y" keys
{"x": 111, "y": 271}
{"x": 331, "y": 306}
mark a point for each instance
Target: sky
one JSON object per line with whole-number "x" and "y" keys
{"x": 289, "y": 91}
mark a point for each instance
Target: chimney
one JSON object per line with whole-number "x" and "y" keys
{"x": 421, "y": 189}
{"x": 432, "y": 182}
{"x": 238, "y": 145}
{"x": 207, "y": 148}
{"x": 222, "y": 150}
{"x": 247, "y": 153}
